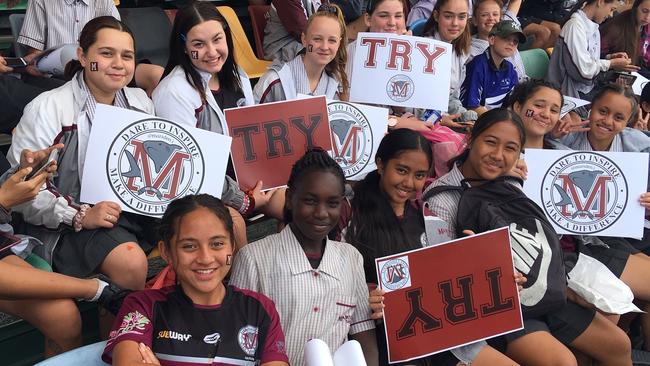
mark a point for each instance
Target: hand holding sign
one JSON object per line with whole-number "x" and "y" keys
{"x": 104, "y": 214}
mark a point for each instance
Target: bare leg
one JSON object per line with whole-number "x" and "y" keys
{"x": 147, "y": 77}
{"x": 540, "y": 33}
{"x": 59, "y": 319}
{"x": 21, "y": 281}
{"x": 540, "y": 348}
{"x": 605, "y": 343}
{"x": 554, "y": 30}
{"x": 489, "y": 357}
{"x": 126, "y": 265}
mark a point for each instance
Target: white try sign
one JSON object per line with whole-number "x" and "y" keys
{"x": 587, "y": 192}
{"x": 401, "y": 71}
{"x": 143, "y": 162}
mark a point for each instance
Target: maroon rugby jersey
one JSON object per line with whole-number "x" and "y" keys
{"x": 243, "y": 330}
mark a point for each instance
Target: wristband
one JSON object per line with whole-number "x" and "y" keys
{"x": 79, "y": 217}
{"x": 249, "y": 203}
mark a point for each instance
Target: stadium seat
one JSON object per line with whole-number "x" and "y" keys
{"x": 535, "y": 62}
{"x": 418, "y": 27}
{"x": 244, "y": 54}
{"x": 89, "y": 355}
{"x": 16, "y": 23}
{"x": 152, "y": 35}
{"x": 259, "y": 15}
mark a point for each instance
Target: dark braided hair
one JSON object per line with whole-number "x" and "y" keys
{"x": 178, "y": 208}
{"x": 315, "y": 159}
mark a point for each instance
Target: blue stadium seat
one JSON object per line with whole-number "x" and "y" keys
{"x": 418, "y": 27}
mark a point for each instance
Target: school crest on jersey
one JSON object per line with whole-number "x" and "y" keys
{"x": 248, "y": 337}
{"x": 151, "y": 162}
{"x": 352, "y": 139}
{"x": 584, "y": 192}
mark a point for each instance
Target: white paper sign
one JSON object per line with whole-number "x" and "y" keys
{"x": 143, "y": 162}
{"x": 639, "y": 83}
{"x": 401, "y": 70}
{"x": 587, "y": 192}
{"x": 357, "y": 130}
{"x": 571, "y": 103}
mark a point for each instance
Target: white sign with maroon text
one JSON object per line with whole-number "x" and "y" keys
{"x": 403, "y": 71}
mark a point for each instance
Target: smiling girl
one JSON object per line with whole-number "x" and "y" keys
{"x": 495, "y": 144}
{"x": 319, "y": 69}
{"x": 202, "y": 79}
{"x": 101, "y": 238}
{"x": 449, "y": 23}
{"x": 317, "y": 284}
{"x": 200, "y": 318}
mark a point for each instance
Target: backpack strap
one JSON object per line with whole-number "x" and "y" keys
{"x": 439, "y": 189}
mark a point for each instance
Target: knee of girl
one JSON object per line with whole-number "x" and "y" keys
{"x": 63, "y": 323}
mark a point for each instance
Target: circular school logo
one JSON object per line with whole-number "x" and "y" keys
{"x": 352, "y": 140}
{"x": 151, "y": 162}
{"x": 247, "y": 339}
{"x": 584, "y": 192}
{"x": 395, "y": 274}
{"x": 400, "y": 88}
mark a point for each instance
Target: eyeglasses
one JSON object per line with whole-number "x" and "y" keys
{"x": 327, "y": 8}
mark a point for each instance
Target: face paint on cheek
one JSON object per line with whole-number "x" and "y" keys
{"x": 194, "y": 55}
{"x": 229, "y": 259}
{"x": 310, "y": 48}
{"x": 94, "y": 66}
{"x": 529, "y": 112}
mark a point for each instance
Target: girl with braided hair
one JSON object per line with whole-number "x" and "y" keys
{"x": 319, "y": 69}
{"x": 317, "y": 284}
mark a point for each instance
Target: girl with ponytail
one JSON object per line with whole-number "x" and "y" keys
{"x": 319, "y": 69}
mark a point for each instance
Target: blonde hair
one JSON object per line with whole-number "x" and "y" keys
{"x": 336, "y": 67}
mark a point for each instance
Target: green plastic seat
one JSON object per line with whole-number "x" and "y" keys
{"x": 535, "y": 62}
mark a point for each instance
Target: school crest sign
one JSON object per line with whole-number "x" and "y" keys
{"x": 153, "y": 161}
{"x": 143, "y": 162}
{"x": 589, "y": 193}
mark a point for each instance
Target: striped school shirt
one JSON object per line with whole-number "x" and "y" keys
{"x": 50, "y": 23}
{"x": 327, "y": 303}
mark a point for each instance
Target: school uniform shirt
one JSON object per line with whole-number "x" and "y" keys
{"x": 243, "y": 330}
{"x": 575, "y": 61}
{"x": 286, "y": 81}
{"x": 177, "y": 100}
{"x": 486, "y": 84}
{"x": 62, "y": 115}
{"x": 50, "y": 23}
{"x": 328, "y": 303}
{"x": 480, "y": 45}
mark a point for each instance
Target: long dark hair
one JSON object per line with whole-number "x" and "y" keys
{"x": 462, "y": 44}
{"x": 88, "y": 37}
{"x": 485, "y": 121}
{"x": 621, "y": 33}
{"x": 315, "y": 159}
{"x": 178, "y": 208}
{"x": 186, "y": 18}
{"x": 375, "y": 229}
